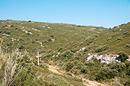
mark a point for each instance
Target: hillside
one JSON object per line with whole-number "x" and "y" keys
{"x": 30, "y": 49}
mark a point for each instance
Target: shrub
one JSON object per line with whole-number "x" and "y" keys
{"x": 118, "y": 66}
{"x": 77, "y": 63}
{"x": 119, "y": 38}
{"x": 128, "y": 45}
{"x": 128, "y": 71}
{"x": 69, "y": 66}
{"x": 67, "y": 54}
{"x": 122, "y": 57}
{"x": 21, "y": 47}
{"x": 105, "y": 73}
{"x": 127, "y": 84}
{"x": 29, "y": 21}
{"x": 24, "y": 78}
{"x": 7, "y": 32}
{"x": 127, "y": 63}
{"x": 101, "y": 49}
{"x": 60, "y": 49}
{"x": 126, "y": 33}
{"x": 83, "y": 69}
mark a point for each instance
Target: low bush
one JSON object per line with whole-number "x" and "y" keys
{"x": 127, "y": 84}
{"x": 128, "y": 71}
{"x": 106, "y": 73}
{"x": 101, "y": 49}
{"x": 120, "y": 67}
{"x": 69, "y": 66}
{"x": 122, "y": 57}
{"x": 128, "y": 45}
{"x": 84, "y": 69}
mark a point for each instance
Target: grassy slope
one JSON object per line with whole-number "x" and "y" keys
{"x": 64, "y": 38}
{"x": 67, "y": 35}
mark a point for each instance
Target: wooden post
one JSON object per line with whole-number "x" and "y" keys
{"x": 38, "y": 58}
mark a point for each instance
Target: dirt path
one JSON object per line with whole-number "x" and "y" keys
{"x": 55, "y": 69}
{"x": 92, "y": 83}
{"x": 86, "y": 82}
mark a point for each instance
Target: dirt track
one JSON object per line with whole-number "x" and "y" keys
{"x": 86, "y": 82}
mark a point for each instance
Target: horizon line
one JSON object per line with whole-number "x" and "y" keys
{"x": 61, "y": 22}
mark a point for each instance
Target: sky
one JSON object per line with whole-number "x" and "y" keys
{"x": 107, "y": 13}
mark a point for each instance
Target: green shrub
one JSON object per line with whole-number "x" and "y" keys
{"x": 101, "y": 49}
{"x": 122, "y": 57}
{"x": 67, "y": 54}
{"x": 69, "y": 66}
{"x": 128, "y": 45}
{"x": 105, "y": 73}
{"x": 120, "y": 67}
{"x": 21, "y": 47}
{"x": 127, "y": 63}
{"x": 78, "y": 64}
{"x": 84, "y": 69}
{"x": 26, "y": 78}
{"x": 128, "y": 71}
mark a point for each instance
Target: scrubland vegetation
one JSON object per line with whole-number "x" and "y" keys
{"x": 28, "y": 47}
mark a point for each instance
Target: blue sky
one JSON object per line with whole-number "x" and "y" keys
{"x": 105, "y": 13}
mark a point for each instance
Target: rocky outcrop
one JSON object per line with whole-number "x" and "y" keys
{"x": 106, "y": 58}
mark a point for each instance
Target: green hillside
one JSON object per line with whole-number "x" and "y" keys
{"x": 65, "y": 46}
